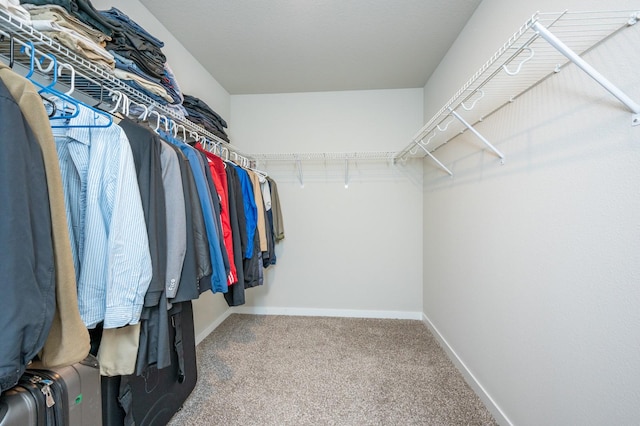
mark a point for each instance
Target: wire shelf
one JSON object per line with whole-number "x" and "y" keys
{"x": 326, "y": 156}
{"x": 524, "y": 61}
{"x": 92, "y": 84}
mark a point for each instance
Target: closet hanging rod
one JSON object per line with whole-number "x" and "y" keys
{"x": 325, "y": 156}
{"x": 92, "y": 80}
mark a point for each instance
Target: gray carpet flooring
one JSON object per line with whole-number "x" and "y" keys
{"x": 290, "y": 370}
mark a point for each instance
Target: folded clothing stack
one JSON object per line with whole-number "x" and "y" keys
{"x": 139, "y": 59}
{"x": 81, "y": 9}
{"x": 116, "y": 41}
{"x": 70, "y": 31}
{"x": 111, "y": 39}
{"x": 131, "y": 41}
{"x": 200, "y": 113}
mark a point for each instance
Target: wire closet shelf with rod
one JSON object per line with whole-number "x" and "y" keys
{"x": 92, "y": 84}
{"x": 540, "y": 48}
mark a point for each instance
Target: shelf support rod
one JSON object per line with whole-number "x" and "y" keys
{"x": 434, "y": 158}
{"x": 299, "y": 167}
{"x": 475, "y": 132}
{"x": 586, "y": 67}
{"x": 346, "y": 173}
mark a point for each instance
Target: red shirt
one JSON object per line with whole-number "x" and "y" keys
{"x": 216, "y": 165}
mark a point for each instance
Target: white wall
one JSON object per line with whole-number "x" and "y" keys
{"x": 354, "y": 251}
{"x": 532, "y": 268}
{"x": 194, "y": 80}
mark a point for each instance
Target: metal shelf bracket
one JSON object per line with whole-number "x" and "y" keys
{"x": 475, "y": 132}
{"x": 424, "y": 148}
{"x": 591, "y": 71}
{"x": 299, "y": 167}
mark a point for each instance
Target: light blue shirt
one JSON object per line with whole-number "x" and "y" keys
{"x": 108, "y": 234}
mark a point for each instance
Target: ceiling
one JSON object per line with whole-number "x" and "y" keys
{"x": 283, "y": 46}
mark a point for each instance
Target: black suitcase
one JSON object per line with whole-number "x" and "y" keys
{"x": 64, "y": 396}
{"x": 154, "y": 397}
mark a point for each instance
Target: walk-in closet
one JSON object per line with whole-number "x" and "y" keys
{"x": 298, "y": 212}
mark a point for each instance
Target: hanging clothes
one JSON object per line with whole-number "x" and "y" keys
{"x": 154, "y": 347}
{"x": 217, "y": 211}
{"x": 108, "y": 234}
{"x": 278, "y": 223}
{"x": 269, "y": 256}
{"x": 250, "y": 209}
{"x": 176, "y": 220}
{"x": 219, "y": 175}
{"x": 27, "y": 268}
{"x": 257, "y": 196}
{"x": 218, "y": 278}
{"x": 197, "y": 258}
{"x": 68, "y": 340}
{"x": 252, "y": 255}
{"x": 235, "y": 296}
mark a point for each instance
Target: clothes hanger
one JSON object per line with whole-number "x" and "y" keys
{"x": 247, "y": 165}
{"x": 172, "y": 128}
{"x": 184, "y": 132}
{"x": 118, "y": 97}
{"x": 167, "y": 124}
{"x": 157, "y": 128}
{"x": 72, "y": 78}
{"x": 128, "y": 112}
{"x": 33, "y": 63}
{"x": 145, "y": 111}
{"x": 64, "y": 97}
{"x": 3, "y": 35}
{"x": 224, "y": 149}
{"x": 49, "y": 106}
{"x": 216, "y": 146}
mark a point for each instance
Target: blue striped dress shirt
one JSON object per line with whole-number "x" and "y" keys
{"x": 108, "y": 234}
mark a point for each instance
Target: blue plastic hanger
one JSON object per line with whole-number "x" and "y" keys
{"x": 64, "y": 97}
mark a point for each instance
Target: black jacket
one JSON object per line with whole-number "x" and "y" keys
{"x": 27, "y": 264}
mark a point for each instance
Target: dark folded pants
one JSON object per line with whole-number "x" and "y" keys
{"x": 195, "y": 103}
{"x": 117, "y": 15}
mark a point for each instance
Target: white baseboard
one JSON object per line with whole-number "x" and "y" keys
{"x": 471, "y": 380}
{"x": 204, "y": 333}
{"x": 310, "y": 312}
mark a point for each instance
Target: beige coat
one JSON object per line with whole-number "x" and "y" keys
{"x": 68, "y": 340}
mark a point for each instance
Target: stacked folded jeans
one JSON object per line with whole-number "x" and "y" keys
{"x": 200, "y": 113}
{"x": 149, "y": 88}
{"x": 140, "y": 53}
{"x": 130, "y": 73}
{"x": 170, "y": 83}
{"x": 134, "y": 43}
